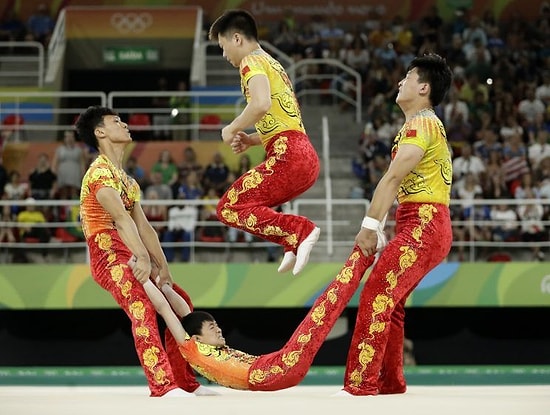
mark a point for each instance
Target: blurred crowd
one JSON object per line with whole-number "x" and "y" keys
{"x": 497, "y": 117}
{"x": 38, "y": 27}
{"x": 497, "y": 114}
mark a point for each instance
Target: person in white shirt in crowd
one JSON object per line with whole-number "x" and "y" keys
{"x": 532, "y": 226}
{"x": 510, "y": 128}
{"x": 182, "y": 220}
{"x": 455, "y": 107}
{"x": 542, "y": 91}
{"x": 540, "y": 149}
{"x": 530, "y": 108}
{"x": 507, "y": 222}
{"x": 467, "y": 163}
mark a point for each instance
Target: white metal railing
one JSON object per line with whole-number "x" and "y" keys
{"x": 336, "y": 233}
{"x": 195, "y": 110}
{"x": 301, "y": 67}
{"x": 58, "y": 104}
{"x": 16, "y": 65}
{"x": 56, "y": 48}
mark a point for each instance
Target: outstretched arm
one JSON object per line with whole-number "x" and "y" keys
{"x": 178, "y": 304}
{"x": 162, "y": 306}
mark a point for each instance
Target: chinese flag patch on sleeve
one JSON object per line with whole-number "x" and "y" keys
{"x": 245, "y": 70}
{"x": 411, "y": 133}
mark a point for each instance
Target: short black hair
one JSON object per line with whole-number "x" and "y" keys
{"x": 433, "y": 69}
{"x": 88, "y": 121}
{"x": 236, "y": 20}
{"x": 192, "y": 322}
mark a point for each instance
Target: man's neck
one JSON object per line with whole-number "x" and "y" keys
{"x": 415, "y": 109}
{"x": 115, "y": 154}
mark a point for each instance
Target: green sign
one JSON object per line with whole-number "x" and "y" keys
{"x": 452, "y": 284}
{"x": 134, "y": 55}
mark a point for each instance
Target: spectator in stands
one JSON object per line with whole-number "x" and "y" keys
{"x": 530, "y": 108}
{"x": 12, "y": 29}
{"x": 40, "y": 24}
{"x": 28, "y": 218}
{"x": 506, "y": 113}
{"x": 245, "y": 164}
{"x": 163, "y": 191}
{"x": 208, "y": 214}
{"x": 455, "y": 106}
{"x": 182, "y": 221}
{"x": 16, "y": 190}
{"x": 467, "y": 191}
{"x": 479, "y": 63}
{"x": 285, "y": 39}
{"x": 431, "y": 25}
{"x": 134, "y": 170}
{"x": 459, "y": 133}
{"x": 216, "y": 173}
{"x": 526, "y": 185}
{"x": 190, "y": 163}
{"x": 531, "y": 216}
{"x": 514, "y": 161}
{"x": 356, "y": 56}
{"x": 473, "y": 84}
{"x": 309, "y": 39}
{"x": 487, "y": 141}
{"x": 542, "y": 178}
{"x": 43, "y": 181}
{"x": 511, "y": 127}
{"x": 493, "y": 181}
{"x": 155, "y": 212}
{"x": 506, "y": 228}
{"x": 332, "y": 38}
{"x": 68, "y": 164}
{"x": 189, "y": 186}
{"x": 7, "y": 232}
{"x": 481, "y": 110}
{"x": 455, "y": 54}
{"x": 467, "y": 163}
{"x": 542, "y": 91}
{"x": 166, "y": 167}
{"x": 376, "y": 168}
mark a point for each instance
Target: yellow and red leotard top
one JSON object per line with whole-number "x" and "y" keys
{"x": 103, "y": 173}
{"x": 225, "y": 366}
{"x": 430, "y": 181}
{"x": 284, "y": 113}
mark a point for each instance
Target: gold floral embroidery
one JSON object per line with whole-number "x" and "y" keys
{"x": 291, "y": 358}
{"x": 382, "y": 302}
{"x": 317, "y": 316}
{"x": 103, "y": 241}
{"x": 251, "y": 180}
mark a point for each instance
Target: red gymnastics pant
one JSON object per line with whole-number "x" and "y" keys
{"x": 375, "y": 360}
{"x": 108, "y": 259}
{"x": 290, "y": 168}
{"x": 288, "y": 366}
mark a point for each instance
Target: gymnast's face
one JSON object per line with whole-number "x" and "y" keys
{"x": 211, "y": 334}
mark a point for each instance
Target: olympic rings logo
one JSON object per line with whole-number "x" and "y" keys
{"x": 131, "y": 22}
